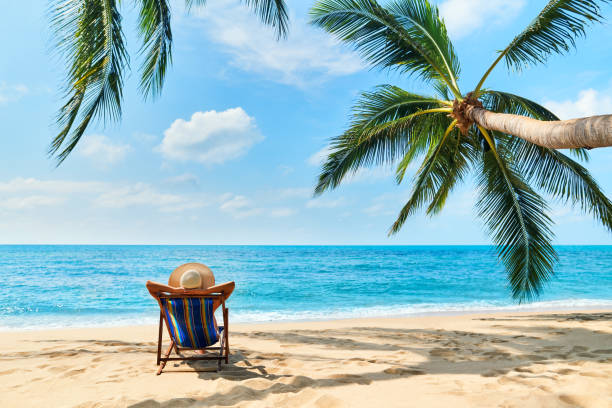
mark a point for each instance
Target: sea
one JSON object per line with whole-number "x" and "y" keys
{"x": 54, "y": 286}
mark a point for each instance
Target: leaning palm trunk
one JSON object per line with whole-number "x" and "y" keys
{"x": 590, "y": 132}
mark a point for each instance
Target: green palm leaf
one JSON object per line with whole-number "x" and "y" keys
{"x": 553, "y": 31}
{"x": 271, "y": 12}
{"x": 386, "y": 124}
{"x": 388, "y": 103}
{"x": 561, "y": 177}
{"x": 515, "y": 216}
{"x": 90, "y": 37}
{"x": 505, "y": 102}
{"x": 154, "y": 26}
{"x": 443, "y": 168}
{"x": 409, "y": 36}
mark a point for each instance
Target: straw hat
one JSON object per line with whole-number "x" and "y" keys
{"x": 207, "y": 279}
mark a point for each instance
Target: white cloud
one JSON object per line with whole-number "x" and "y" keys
{"x": 26, "y": 193}
{"x": 307, "y": 56}
{"x": 281, "y": 212}
{"x": 20, "y": 184}
{"x": 295, "y": 192}
{"x": 588, "y": 103}
{"x": 102, "y": 150}
{"x": 324, "y": 203}
{"x": 21, "y": 193}
{"x": 566, "y": 214}
{"x": 185, "y": 179}
{"x": 285, "y": 170}
{"x": 462, "y": 17}
{"x": 378, "y": 209}
{"x": 319, "y": 157}
{"x": 141, "y": 194}
{"x": 9, "y": 93}
{"x": 28, "y": 202}
{"x": 210, "y": 137}
{"x": 239, "y": 207}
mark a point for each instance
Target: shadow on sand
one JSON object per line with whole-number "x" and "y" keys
{"x": 518, "y": 349}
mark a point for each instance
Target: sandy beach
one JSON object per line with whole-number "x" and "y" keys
{"x": 497, "y": 360}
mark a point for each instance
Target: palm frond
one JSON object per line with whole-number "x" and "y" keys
{"x": 462, "y": 156}
{"x": 554, "y": 30}
{"x": 561, "y": 177}
{"x": 505, "y": 102}
{"x": 388, "y": 103}
{"x": 443, "y": 168}
{"x": 191, "y": 3}
{"x": 270, "y": 12}
{"x": 515, "y": 216}
{"x": 156, "y": 33}
{"x": 409, "y": 36}
{"x": 386, "y": 123}
{"x": 422, "y": 21}
{"x": 273, "y": 13}
{"x": 90, "y": 38}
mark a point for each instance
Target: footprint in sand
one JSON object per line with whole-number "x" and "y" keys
{"x": 576, "y": 400}
{"x": 565, "y": 371}
{"x": 440, "y": 352}
{"x": 351, "y": 379}
{"x": 594, "y": 374}
{"x": 524, "y": 370}
{"x": 403, "y": 371}
{"x": 328, "y": 401}
{"x": 72, "y": 373}
{"x": 494, "y": 373}
{"x": 534, "y": 357}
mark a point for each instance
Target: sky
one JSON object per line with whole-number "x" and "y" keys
{"x": 229, "y": 154}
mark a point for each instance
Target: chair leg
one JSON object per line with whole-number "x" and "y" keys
{"x": 220, "y": 358}
{"x": 159, "y": 338}
{"x": 163, "y": 363}
{"x": 226, "y": 335}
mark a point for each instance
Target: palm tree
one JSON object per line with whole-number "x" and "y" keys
{"x": 457, "y": 133}
{"x": 90, "y": 39}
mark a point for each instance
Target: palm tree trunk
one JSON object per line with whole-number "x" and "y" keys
{"x": 590, "y": 132}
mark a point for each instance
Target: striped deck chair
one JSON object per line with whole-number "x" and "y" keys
{"x": 188, "y": 315}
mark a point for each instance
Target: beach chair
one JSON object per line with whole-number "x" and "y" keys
{"x": 188, "y": 315}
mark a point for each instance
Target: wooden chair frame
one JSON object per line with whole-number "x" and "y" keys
{"x": 223, "y": 347}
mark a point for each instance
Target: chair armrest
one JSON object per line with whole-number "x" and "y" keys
{"x": 225, "y": 289}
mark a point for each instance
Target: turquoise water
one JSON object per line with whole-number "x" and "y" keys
{"x": 57, "y": 286}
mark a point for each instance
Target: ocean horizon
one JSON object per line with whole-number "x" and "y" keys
{"x": 55, "y": 286}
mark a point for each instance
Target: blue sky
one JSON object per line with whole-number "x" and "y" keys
{"x": 229, "y": 153}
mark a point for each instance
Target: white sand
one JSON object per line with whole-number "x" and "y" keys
{"x": 502, "y": 360}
